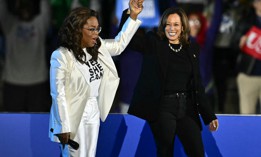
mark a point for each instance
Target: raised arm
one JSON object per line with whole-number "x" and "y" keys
{"x": 135, "y": 8}
{"x": 119, "y": 43}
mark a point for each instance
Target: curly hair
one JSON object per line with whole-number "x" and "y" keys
{"x": 184, "y": 37}
{"x": 70, "y": 33}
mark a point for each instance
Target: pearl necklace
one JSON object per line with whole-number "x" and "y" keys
{"x": 175, "y": 50}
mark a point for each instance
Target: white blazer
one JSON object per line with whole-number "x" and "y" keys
{"x": 69, "y": 87}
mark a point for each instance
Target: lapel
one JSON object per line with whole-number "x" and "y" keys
{"x": 163, "y": 55}
{"x": 83, "y": 68}
{"x": 107, "y": 60}
{"x": 193, "y": 52}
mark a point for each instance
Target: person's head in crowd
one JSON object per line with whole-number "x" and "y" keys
{"x": 80, "y": 30}
{"x": 25, "y": 9}
{"x": 174, "y": 26}
{"x": 257, "y": 6}
{"x": 198, "y": 26}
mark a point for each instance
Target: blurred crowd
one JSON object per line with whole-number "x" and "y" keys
{"x": 28, "y": 31}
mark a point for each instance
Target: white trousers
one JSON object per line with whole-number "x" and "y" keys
{"x": 249, "y": 88}
{"x": 87, "y": 133}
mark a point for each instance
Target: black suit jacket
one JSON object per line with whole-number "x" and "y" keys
{"x": 150, "y": 86}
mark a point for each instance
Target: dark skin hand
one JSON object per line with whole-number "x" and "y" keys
{"x": 135, "y": 8}
{"x": 63, "y": 137}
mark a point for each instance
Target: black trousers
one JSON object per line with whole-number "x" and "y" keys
{"x": 173, "y": 120}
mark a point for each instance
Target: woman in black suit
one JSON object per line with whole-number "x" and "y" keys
{"x": 169, "y": 93}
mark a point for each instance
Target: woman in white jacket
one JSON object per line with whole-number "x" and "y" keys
{"x": 84, "y": 79}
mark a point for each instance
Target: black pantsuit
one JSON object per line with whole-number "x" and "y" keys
{"x": 169, "y": 94}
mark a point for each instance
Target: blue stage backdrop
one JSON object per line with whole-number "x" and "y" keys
{"x": 26, "y": 135}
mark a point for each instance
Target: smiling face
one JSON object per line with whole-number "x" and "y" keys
{"x": 173, "y": 28}
{"x": 89, "y": 36}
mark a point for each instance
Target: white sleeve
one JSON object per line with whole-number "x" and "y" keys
{"x": 119, "y": 43}
{"x": 58, "y": 75}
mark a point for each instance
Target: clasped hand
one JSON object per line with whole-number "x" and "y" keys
{"x": 135, "y": 6}
{"x": 63, "y": 137}
{"x": 213, "y": 126}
